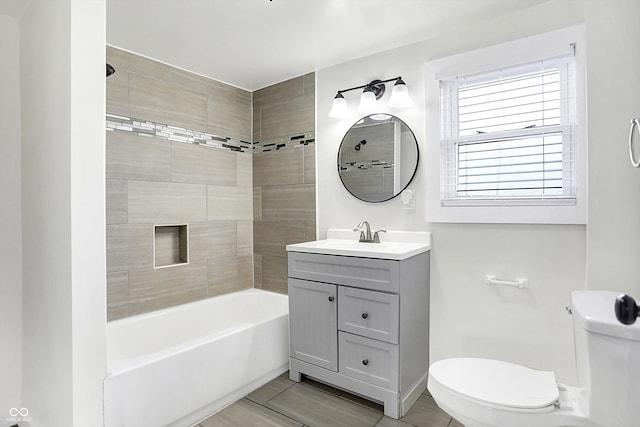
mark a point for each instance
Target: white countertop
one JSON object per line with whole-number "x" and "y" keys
{"x": 395, "y": 245}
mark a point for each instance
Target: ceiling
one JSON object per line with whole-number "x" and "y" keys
{"x": 255, "y": 43}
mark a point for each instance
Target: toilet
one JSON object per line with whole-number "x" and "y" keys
{"x": 492, "y": 393}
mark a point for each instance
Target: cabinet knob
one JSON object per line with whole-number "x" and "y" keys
{"x": 331, "y": 299}
{"x": 365, "y": 362}
{"x": 365, "y": 315}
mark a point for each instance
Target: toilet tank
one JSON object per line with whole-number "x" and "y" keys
{"x": 608, "y": 360}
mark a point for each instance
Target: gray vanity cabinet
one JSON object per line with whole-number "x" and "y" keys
{"x": 361, "y": 324}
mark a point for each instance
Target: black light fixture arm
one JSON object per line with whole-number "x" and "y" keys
{"x": 376, "y": 86}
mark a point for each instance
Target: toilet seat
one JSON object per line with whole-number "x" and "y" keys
{"x": 497, "y": 384}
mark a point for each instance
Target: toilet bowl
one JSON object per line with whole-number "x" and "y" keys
{"x": 492, "y": 393}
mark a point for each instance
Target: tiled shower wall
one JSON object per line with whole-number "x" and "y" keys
{"x": 283, "y": 176}
{"x": 154, "y": 178}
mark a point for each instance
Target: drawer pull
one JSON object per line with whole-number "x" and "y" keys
{"x": 331, "y": 299}
{"x": 365, "y": 362}
{"x": 365, "y": 315}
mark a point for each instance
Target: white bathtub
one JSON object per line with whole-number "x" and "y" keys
{"x": 176, "y": 366}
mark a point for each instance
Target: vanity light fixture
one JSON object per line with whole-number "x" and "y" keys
{"x": 369, "y": 98}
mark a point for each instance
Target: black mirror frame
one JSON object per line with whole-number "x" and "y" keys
{"x": 415, "y": 170}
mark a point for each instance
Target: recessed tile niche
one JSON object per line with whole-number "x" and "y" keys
{"x": 171, "y": 245}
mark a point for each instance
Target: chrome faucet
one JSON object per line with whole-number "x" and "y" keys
{"x": 365, "y": 234}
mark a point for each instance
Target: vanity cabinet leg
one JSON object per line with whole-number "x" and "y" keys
{"x": 294, "y": 373}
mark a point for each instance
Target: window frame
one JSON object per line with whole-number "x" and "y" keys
{"x": 552, "y": 210}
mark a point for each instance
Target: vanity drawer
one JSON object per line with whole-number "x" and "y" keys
{"x": 368, "y": 360}
{"x": 375, "y": 274}
{"x": 369, "y": 313}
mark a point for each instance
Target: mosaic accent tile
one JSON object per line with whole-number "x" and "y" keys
{"x": 288, "y": 141}
{"x": 179, "y": 134}
{"x": 175, "y": 133}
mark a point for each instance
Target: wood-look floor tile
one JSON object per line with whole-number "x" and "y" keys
{"x": 270, "y": 390}
{"x": 390, "y": 422}
{"x": 455, "y": 423}
{"x": 319, "y": 409}
{"x": 246, "y": 413}
{"x": 425, "y": 413}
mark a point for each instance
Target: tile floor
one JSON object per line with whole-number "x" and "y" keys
{"x": 283, "y": 402}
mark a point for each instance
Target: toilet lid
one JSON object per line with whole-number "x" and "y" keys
{"x": 496, "y": 383}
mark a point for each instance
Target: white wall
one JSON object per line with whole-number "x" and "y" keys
{"x": 468, "y": 318}
{"x": 613, "y": 70}
{"x": 10, "y": 212}
{"x": 64, "y": 314}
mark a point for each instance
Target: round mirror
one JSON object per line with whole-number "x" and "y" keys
{"x": 378, "y": 158}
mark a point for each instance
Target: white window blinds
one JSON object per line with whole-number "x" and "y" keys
{"x": 508, "y": 135}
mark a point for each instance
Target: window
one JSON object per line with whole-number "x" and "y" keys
{"x": 505, "y": 134}
{"x": 508, "y": 136}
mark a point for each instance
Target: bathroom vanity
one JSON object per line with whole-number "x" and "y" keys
{"x": 359, "y": 315}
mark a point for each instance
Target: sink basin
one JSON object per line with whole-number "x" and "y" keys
{"x": 393, "y": 249}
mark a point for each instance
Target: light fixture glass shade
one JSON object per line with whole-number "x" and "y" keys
{"x": 339, "y": 109}
{"x": 400, "y": 95}
{"x": 368, "y": 102}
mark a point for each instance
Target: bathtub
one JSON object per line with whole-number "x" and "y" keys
{"x": 176, "y": 366}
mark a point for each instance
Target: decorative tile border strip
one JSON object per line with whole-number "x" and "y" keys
{"x": 289, "y": 141}
{"x": 372, "y": 164}
{"x": 175, "y": 133}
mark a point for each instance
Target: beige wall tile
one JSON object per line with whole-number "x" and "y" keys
{"x": 124, "y": 61}
{"x": 230, "y": 274}
{"x": 200, "y": 84}
{"x": 232, "y": 119}
{"x": 164, "y": 102}
{"x": 309, "y": 81}
{"x": 117, "y": 88}
{"x": 166, "y": 203}
{"x": 310, "y": 164}
{"x": 155, "y": 288}
{"x": 257, "y": 203}
{"x": 310, "y": 231}
{"x": 116, "y": 201}
{"x": 274, "y": 274}
{"x": 279, "y": 92}
{"x": 212, "y": 239}
{"x": 202, "y": 165}
{"x": 131, "y": 156}
{"x": 229, "y": 203}
{"x": 271, "y": 237}
{"x": 257, "y": 271}
{"x": 244, "y": 169}
{"x": 287, "y": 118}
{"x": 228, "y": 107}
{"x": 117, "y": 295}
{"x": 245, "y": 237}
{"x": 129, "y": 246}
{"x": 278, "y": 167}
{"x": 292, "y": 202}
{"x": 257, "y": 124}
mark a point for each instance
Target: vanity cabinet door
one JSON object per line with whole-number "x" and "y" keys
{"x": 313, "y": 322}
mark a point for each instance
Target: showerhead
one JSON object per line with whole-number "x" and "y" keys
{"x": 110, "y": 70}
